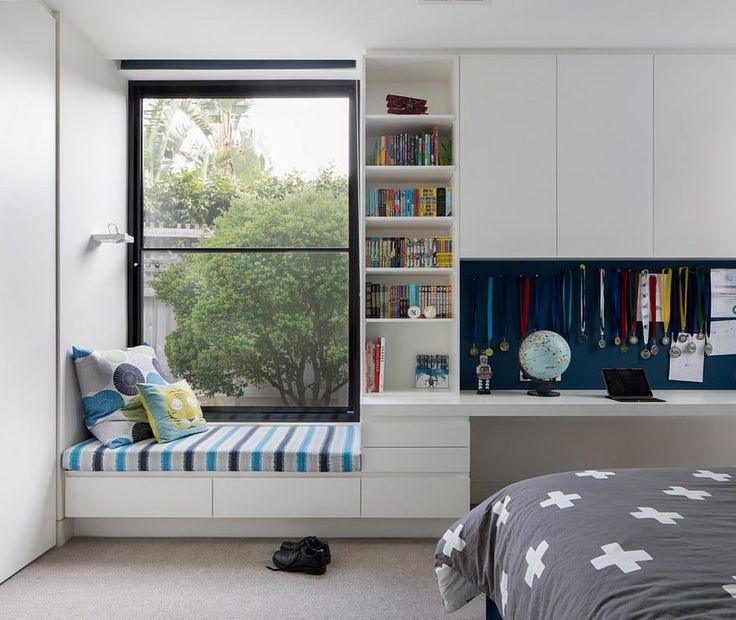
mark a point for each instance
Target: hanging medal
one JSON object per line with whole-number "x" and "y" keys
{"x": 525, "y": 297}
{"x": 683, "y": 277}
{"x": 654, "y": 348}
{"x": 582, "y": 336}
{"x": 624, "y": 321}
{"x": 692, "y": 305}
{"x": 665, "y": 288}
{"x": 602, "y": 308}
{"x": 489, "y": 319}
{"x": 616, "y": 296}
{"x": 503, "y": 317}
{"x": 474, "y": 350}
{"x": 707, "y": 312}
{"x": 645, "y": 310}
{"x": 633, "y": 305}
{"x": 567, "y": 304}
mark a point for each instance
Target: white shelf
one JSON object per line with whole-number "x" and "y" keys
{"x": 380, "y": 124}
{"x": 392, "y": 174}
{"x": 409, "y": 222}
{"x": 410, "y": 321}
{"x": 416, "y": 271}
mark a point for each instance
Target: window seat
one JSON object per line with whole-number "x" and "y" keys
{"x": 245, "y": 448}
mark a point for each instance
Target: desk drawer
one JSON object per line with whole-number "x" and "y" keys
{"x": 431, "y": 497}
{"x": 286, "y": 497}
{"x": 387, "y": 434}
{"x": 416, "y": 460}
{"x": 137, "y": 497}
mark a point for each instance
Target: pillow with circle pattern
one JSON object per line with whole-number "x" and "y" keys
{"x": 173, "y": 410}
{"x": 107, "y": 381}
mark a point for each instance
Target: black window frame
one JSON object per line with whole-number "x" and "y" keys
{"x": 139, "y": 90}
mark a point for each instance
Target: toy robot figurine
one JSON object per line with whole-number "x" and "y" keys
{"x": 484, "y": 373}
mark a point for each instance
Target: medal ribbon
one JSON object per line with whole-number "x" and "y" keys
{"x": 616, "y": 295}
{"x": 502, "y": 319}
{"x": 653, "y": 305}
{"x": 489, "y": 312}
{"x": 633, "y": 299}
{"x": 474, "y": 310}
{"x": 525, "y": 295}
{"x": 707, "y": 304}
{"x": 556, "y": 293}
{"x": 665, "y": 289}
{"x": 602, "y": 302}
{"x": 624, "y": 324}
{"x": 540, "y": 301}
{"x": 583, "y": 295}
{"x": 645, "y": 305}
{"x": 682, "y": 291}
{"x": 567, "y": 303}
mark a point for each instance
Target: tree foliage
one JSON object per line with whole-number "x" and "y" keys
{"x": 266, "y": 318}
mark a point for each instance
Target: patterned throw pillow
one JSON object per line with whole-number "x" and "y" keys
{"x": 112, "y": 408}
{"x": 173, "y": 410}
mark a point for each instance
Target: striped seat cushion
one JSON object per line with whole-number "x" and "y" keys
{"x": 261, "y": 447}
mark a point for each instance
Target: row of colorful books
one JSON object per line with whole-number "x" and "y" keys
{"x": 384, "y": 301}
{"x": 375, "y": 365}
{"x": 409, "y": 202}
{"x": 408, "y": 252}
{"x": 405, "y": 149}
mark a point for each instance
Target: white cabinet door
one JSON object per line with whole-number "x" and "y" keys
{"x": 28, "y": 458}
{"x": 604, "y": 155}
{"x": 695, "y": 156}
{"x": 507, "y": 156}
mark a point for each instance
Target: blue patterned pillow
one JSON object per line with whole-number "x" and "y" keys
{"x": 112, "y": 407}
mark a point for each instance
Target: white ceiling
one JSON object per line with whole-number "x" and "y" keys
{"x": 344, "y": 28}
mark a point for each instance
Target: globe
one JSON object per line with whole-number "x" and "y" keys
{"x": 544, "y": 355}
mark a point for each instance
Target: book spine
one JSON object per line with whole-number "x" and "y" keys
{"x": 382, "y": 363}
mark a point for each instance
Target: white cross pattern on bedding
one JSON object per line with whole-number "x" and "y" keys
{"x": 247, "y": 447}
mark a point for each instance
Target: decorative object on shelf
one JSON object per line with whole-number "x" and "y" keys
{"x": 113, "y": 235}
{"x": 400, "y": 104}
{"x": 414, "y": 312}
{"x": 485, "y": 374}
{"x": 375, "y": 365}
{"x": 409, "y": 202}
{"x": 432, "y": 371}
{"x": 544, "y": 355}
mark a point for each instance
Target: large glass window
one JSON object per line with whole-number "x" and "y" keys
{"x": 243, "y": 272}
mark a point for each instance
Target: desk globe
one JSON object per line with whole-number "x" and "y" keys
{"x": 544, "y": 355}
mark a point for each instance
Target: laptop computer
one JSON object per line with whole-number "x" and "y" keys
{"x": 628, "y": 385}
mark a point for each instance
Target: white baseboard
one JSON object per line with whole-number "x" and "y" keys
{"x": 64, "y": 531}
{"x": 482, "y": 489}
{"x": 262, "y": 528}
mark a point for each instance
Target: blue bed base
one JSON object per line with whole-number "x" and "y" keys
{"x": 492, "y": 612}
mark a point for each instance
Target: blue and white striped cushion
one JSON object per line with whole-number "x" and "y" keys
{"x": 288, "y": 448}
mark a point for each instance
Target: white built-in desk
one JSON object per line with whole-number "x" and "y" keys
{"x": 576, "y": 403}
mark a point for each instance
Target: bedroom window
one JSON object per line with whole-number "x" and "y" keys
{"x": 243, "y": 274}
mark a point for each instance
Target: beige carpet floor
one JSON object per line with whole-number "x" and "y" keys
{"x": 111, "y": 578}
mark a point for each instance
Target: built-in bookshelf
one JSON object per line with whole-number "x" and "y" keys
{"x": 425, "y": 222}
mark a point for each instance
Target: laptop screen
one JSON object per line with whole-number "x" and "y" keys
{"x": 626, "y": 382}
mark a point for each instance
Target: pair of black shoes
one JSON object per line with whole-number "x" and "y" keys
{"x": 309, "y": 555}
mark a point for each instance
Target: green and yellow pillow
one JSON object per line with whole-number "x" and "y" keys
{"x": 173, "y": 410}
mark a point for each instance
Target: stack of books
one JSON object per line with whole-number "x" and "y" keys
{"x": 375, "y": 363}
{"x": 406, "y": 149}
{"x": 408, "y": 252}
{"x": 384, "y": 301}
{"x": 409, "y": 202}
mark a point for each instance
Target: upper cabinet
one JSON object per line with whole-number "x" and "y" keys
{"x": 695, "y": 156}
{"x": 604, "y": 155}
{"x": 507, "y": 155}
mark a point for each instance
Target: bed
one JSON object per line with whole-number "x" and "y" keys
{"x": 624, "y": 543}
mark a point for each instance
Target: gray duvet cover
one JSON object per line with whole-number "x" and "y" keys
{"x": 626, "y": 543}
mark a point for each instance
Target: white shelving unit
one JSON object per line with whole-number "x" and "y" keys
{"x": 434, "y": 77}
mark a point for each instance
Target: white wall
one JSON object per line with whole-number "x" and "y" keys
{"x": 92, "y": 193}
{"x": 504, "y": 450}
{"x": 27, "y": 287}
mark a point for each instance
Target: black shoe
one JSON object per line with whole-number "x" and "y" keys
{"x": 311, "y": 541}
{"x": 304, "y": 559}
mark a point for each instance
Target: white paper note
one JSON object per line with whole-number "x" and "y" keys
{"x": 723, "y": 293}
{"x": 723, "y": 337}
{"x": 689, "y": 366}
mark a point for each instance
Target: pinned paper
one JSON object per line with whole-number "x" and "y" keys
{"x": 723, "y": 337}
{"x": 689, "y": 366}
{"x": 723, "y": 293}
